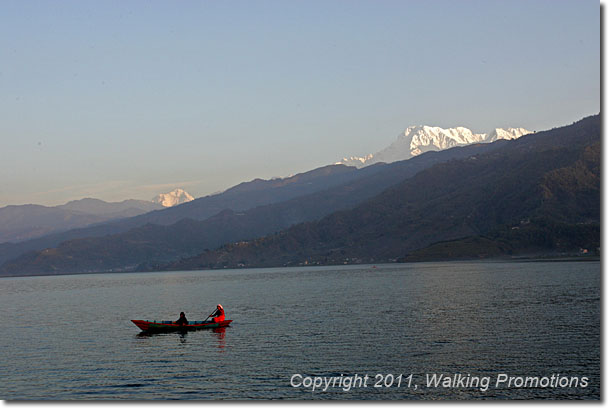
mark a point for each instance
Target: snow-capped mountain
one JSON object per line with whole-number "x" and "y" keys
{"x": 419, "y": 139}
{"x": 175, "y": 197}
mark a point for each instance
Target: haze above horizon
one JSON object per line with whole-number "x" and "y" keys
{"x": 121, "y": 100}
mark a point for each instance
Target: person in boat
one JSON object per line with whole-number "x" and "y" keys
{"x": 219, "y": 314}
{"x": 182, "y": 320}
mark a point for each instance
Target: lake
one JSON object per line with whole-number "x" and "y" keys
{"x": 465, "y": 325}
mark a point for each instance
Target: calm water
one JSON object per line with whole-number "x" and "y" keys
{"x": 70, "y": 337}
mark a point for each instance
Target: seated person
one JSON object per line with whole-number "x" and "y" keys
{"x": 182, "y": 321}
{"x": 219, "y": 314}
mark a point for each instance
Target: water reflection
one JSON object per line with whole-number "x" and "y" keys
{"x": 483, "y": 318}
{"x": 146, "y": 335}
{"x": 220, "y": 337}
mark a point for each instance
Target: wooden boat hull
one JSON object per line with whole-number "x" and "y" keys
{"x": 169, "y": 326}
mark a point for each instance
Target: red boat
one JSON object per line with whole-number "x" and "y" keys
{"x": 169, "y": 326}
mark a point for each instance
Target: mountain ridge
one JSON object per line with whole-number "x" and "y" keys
{"x": 100, "y": 207}
{"x": 25, "y": 222}
{"x": 152, "y": 244}
{"x": 537, "y": 194}
{"x": 416, "y": 140}
{"x": 240, "y": 197}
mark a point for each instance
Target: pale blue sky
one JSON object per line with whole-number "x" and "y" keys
{"x": 127, "y": 99}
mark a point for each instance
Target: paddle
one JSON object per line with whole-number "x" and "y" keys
{"x": 210, "y": 314}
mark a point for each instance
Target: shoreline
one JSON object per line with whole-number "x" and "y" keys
{"x": 531, "y": 259}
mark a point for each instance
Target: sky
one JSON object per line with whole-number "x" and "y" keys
{"x": 128, "y": 99}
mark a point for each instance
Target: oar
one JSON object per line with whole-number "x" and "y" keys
{"x": 210, "y": 315}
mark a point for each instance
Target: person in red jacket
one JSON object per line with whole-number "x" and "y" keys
{"x": 219, "y": 314}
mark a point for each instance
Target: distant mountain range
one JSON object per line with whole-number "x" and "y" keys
{"x": 22, "y": 222}
{"x": 19, "y": 224}
{"x": 539, "y": 193}
{"x": 114, "y": 209}
{"x": 419, "y": 139}
{"x": 243, "y": 212}
{"x": 241, "y": 197}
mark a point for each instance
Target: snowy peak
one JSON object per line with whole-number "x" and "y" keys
{"x": 506, "y": 134}
{"x": 175, "y": 197}
{"x": 422, "y": 138}
{"x": 356, "y": 161}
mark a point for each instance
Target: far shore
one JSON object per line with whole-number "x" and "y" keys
{"x": 591, "y": 258}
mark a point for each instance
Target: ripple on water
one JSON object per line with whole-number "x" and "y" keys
{"x": 71, "y": 336}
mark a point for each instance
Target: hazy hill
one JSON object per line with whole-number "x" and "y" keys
{"x": 545, "y": 185}
{"x": 151, "y": 244}
{"x": 241, "y": 197}
{"x": 23, "y": 222}
{"x": 129, "y": 207}
{"x": 257, "y": 192}
{"x": 540, "y": 193}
